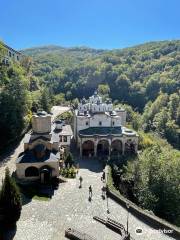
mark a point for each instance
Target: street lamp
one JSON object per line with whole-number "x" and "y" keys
{"x": 107, "y": 199}
{"x": 127, "y": 205}
{"x": 106, "y": 179}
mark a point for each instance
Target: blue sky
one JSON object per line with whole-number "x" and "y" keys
{"x": 94, "y": 23}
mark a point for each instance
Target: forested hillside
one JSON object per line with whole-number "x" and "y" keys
{"x": 145, "y": 80}
{"x": 146, "y": 77}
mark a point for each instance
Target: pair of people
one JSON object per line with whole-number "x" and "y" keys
{"x": 90, "y": 187}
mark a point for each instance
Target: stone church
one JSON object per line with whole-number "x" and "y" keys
{"x": 43, "y": 149}
{"x": 100, "y": 130}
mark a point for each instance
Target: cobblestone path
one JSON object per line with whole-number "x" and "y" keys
{"x": 70, "y": 207}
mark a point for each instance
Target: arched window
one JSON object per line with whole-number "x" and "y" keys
{"x": 31, "y": 172}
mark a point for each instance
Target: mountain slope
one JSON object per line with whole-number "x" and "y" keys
{"x": 144, "y": 76}
{"x": 135, "y": 74}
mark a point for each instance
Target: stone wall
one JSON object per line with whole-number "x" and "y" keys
{"x": 41, "y": 124}
{"x": 138, "y": 212}
{"x": 21, "y": 167}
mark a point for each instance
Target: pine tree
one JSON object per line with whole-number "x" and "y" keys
{"x": 69, "y": 159}
{"x": 10, "y": 201}
{"x": 45, "y": 100}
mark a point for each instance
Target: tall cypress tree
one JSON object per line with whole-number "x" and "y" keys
{"x": 10, "y": 201}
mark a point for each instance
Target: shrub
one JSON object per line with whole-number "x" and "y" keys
{"x": 10, "y": 201}
{"x": 69, "y": 160}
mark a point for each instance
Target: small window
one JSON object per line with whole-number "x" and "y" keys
{"x": 9, "y": 54}
{"x": 100, "y": 123}
{"x": 113, "y": 123}
{"x": 87, "y": 123}
{"x": 65, "y": 138}
{"x": 60, "y": 138}
{"x": 31, "y": 172}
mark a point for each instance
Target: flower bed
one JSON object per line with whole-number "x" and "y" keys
{"x": 68, "y": 172}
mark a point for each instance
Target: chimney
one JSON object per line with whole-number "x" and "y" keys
{"x": 41, "y": 122}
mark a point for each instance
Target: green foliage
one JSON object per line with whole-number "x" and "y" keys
{"x": 67, "y": 116}
{"x": 10, "y": 201}
{"x": 45, "y": 100}
{"x": 59, "y": 99}
{"x": 156, "y": 180}
{"x": 15, "y": 102}
{"x": 162, "y": 116}
{"x": 68, "y": 172}
{"x": 69, "y": 160}
{"x": 145, "y": 77}
{"x": 104, "y": 90}
{"x": 133, "y": 118}
{"x": 133, "y": 75}
{"x": 145, "y": 140}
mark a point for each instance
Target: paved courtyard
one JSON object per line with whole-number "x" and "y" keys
{"x": 70, "y": 207}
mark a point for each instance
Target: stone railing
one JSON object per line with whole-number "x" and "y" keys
{"x": 138, "y": 212}
{"x": 74, "y": 234}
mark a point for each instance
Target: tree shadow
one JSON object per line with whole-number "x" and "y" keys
{"x": 38, "y": 191}
{"x": 93, "y": 164}
{"x": 8, "y": 233}
{"x": 9, "y": 150}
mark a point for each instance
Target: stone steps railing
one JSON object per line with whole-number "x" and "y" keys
{"x": 74, "y": 234}
{"x": 115, "y": 226}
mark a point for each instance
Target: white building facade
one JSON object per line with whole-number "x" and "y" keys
{"x": 100, "y": 130}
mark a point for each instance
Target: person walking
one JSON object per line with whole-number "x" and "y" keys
{"x": 90, "y": 191}
{"x": 103, "y": 176}
{"x": 80, "y": 181}
{"x": 103, "y": 192}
